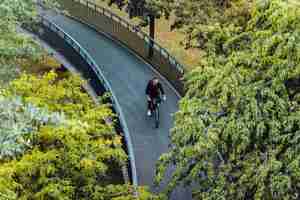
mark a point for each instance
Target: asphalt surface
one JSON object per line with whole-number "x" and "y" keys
{"x": 128, "y": 76}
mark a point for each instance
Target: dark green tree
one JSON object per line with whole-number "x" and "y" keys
{"x": 236, "y": 135}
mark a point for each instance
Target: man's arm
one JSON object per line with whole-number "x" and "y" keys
{"x": 161, "y": 89}
{"x": 162, "y": 92}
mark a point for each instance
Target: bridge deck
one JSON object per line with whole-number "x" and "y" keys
{"x": 128, "y": 76}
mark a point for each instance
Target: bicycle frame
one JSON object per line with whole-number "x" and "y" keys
{"x": 156, "y": 103}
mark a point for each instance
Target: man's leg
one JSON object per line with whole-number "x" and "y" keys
{"x": 150, "y": 108}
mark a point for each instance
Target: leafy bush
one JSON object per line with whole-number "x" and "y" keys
{"x": 19, "y": 123}
{"x": 13, "y": 44}
{"x": 79, "y": 159}
{"x": 56, "y": 95}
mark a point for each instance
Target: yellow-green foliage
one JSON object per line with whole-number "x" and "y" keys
{"x": 57, "y": 95}
{"x": 65, "y": 159}
{"x": 75, "y": 160}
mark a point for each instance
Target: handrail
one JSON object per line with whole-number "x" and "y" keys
{"x": 86, "y": 56}
{"x": 141, "y": 34}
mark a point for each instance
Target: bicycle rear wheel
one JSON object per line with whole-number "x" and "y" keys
{"x": 156, "y": 117}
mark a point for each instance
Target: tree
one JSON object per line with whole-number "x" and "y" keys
{"x": 236, "y": 135}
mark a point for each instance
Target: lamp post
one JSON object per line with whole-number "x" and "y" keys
{"x": 151, "y": 19}
{"x": 137, "y": 8}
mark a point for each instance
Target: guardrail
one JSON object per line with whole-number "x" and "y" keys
{"x": 90, "y": 61}
{"x": 133, "y": 37}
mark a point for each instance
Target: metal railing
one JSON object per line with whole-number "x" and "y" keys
{"x": 90, "y": 61}
{"x": 132, "y": 36}
{"x": 135, "y": 29}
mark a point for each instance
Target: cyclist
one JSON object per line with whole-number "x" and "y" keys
{"x": 154, "y": 90}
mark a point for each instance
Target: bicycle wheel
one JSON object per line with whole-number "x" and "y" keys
{"x": 156, "y": 117}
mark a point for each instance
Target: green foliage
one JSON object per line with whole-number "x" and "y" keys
{"x": 71, "y": 152}
{"x": 13, "y": 44}
{"x": 237, "y": 131}
{"x": 19, "y": 122}
{"x": 7, "y": 72}
{"x": 200, "y": 19}
{"x": 64, "y": 95}
{"x": 80, "y": 158}
{"x": 12, "y": 14}
{"x": 124, "y": 192}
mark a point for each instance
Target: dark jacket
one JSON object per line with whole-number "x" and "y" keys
{"x": 154, "y": 91}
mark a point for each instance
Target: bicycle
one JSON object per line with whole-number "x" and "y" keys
{"x": 155, "y": 110}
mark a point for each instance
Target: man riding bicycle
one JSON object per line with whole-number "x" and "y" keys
{"x": 154, "y": 90}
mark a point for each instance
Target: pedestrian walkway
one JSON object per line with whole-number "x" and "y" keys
{"x": 128, "y": 76}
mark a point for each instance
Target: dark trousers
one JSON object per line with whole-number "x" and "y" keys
{"x": 151, "y": 105}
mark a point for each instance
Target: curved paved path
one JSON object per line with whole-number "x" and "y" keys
{"x": 128, "y": 76}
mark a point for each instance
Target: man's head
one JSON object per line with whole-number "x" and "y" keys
{"x": 155, "y": 80}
